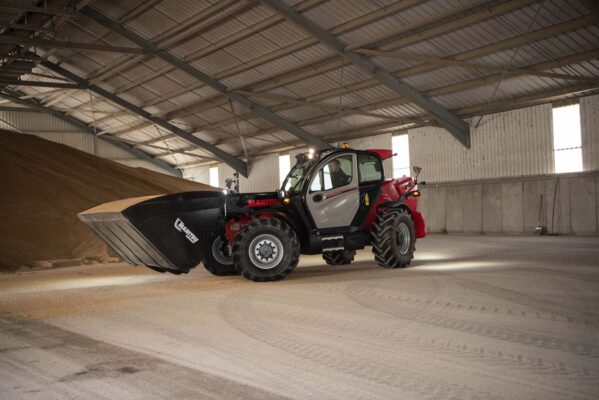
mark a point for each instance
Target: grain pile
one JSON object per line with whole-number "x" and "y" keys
{"x": 43, "y": 185}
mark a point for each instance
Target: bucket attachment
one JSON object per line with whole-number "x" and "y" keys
{"x": 166, "y": 233}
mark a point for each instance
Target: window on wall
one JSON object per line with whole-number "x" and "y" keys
{"x": 567, "y": 143}
{"x": 401, "y": 162}
{"x": 284, "y": 167}
{"x": 214, "y": 176}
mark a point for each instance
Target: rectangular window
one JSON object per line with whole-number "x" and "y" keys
{"x": 335, "y": 174}
{"x": 284, "y": 167}
{"x": 369, "y": 168}
{"x": 214, "y": 177}
{"x": 567, "y": 142}
{"x": 401, "y": 162}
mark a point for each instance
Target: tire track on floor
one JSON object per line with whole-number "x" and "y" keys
{"x": 358, "y": 331}
{"x": 572, "y": 313}
{"x": 239, "y": 312}
{"x": 412, "y": 299}
{"x": 364, "y": 297}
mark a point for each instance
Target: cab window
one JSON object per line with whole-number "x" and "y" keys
{"x": 337, "y": 173}
{"x": 370, "y": 168}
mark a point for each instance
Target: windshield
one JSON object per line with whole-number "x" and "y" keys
{"x": 297, "y": 174}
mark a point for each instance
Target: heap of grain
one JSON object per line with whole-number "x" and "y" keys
{"x": 43, "y": 185}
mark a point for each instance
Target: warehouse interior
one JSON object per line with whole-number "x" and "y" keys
{"x": 496, "y": 100}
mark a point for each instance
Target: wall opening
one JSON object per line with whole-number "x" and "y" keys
{"x": 214, "y": 177}
{"x": 284, "y": 167}
{"x": 567, "y": 142}
{"x": 401, "y": 162}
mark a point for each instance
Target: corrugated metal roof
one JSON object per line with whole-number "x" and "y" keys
{"x": 283, "y": 59}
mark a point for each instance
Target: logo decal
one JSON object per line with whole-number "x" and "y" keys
{"x": 180, "y": 226}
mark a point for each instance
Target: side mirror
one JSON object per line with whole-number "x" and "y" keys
{"x": 416, "y": 169}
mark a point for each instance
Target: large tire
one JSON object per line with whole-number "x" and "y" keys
{"x": 393, "y": 239}
{"x": 341, "y": 257}
{"x": 217, "y": 261}
{"x": 266, "y": 249}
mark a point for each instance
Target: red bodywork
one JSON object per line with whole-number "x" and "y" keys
{"x": 233, "y": 227}
{"x": 382, "y": 153}
{"x": 390, "y": 192}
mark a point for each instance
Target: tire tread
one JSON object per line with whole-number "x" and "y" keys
{"x": 262, "y": 223}
{"x": 382, "y": 240}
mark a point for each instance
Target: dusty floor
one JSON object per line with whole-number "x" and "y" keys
{"x": 475, "y": 317}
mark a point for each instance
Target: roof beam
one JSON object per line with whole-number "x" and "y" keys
{"x": 19, "y": 58}
{"x": 445, "y": 62}
{"x": 58, "y": 85}
{"x": 33, "y": 28}
{"x": 34, "y": 105}
{"x": 320, "y": 106}
{"x": 527, "y": 100}
{"x": 454, "y": 124}
{"x": 15, "y": 109}
{"x": 214, "y": 14}
{"x": 234, "y": 162}
{"x": 209, "y": 81}
{"x": 39, "y": 10}
{"x": 61, "y": 44}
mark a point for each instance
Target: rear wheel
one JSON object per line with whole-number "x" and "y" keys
{"x": 338, "y": 257}
{"x": 393, "y": 239}
{"x": 219, "y": 260}
{"x": 266, "y": 249}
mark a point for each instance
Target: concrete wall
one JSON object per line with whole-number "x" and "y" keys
{"x": 567, "y": 204}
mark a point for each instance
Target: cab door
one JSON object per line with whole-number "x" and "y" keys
{"x": 333, "y": 198}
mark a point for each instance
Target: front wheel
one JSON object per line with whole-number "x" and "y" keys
{"x": 393, "y": 239}
{"x": 266, "y": 249}
{"x": 219, "y": 260}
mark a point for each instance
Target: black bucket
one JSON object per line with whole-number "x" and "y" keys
{"x": 166, "y": 233}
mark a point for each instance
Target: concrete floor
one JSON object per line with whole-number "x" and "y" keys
{"x": 474, "y": 317}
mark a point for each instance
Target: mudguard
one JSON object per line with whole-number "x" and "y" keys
{"x": 419, "y": 225}
{"x": 167, "y": 233}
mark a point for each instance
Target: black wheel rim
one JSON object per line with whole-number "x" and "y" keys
{"x": 221, "y": 251}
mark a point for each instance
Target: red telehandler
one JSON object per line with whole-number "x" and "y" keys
{"x": 331, "y": 203}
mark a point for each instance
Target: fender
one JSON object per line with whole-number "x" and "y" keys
{"x": 419, "y": 225}
{"x": 272, "y": 213}
{"x": 234, "y": 225}
{"x": 417, "y": 218}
